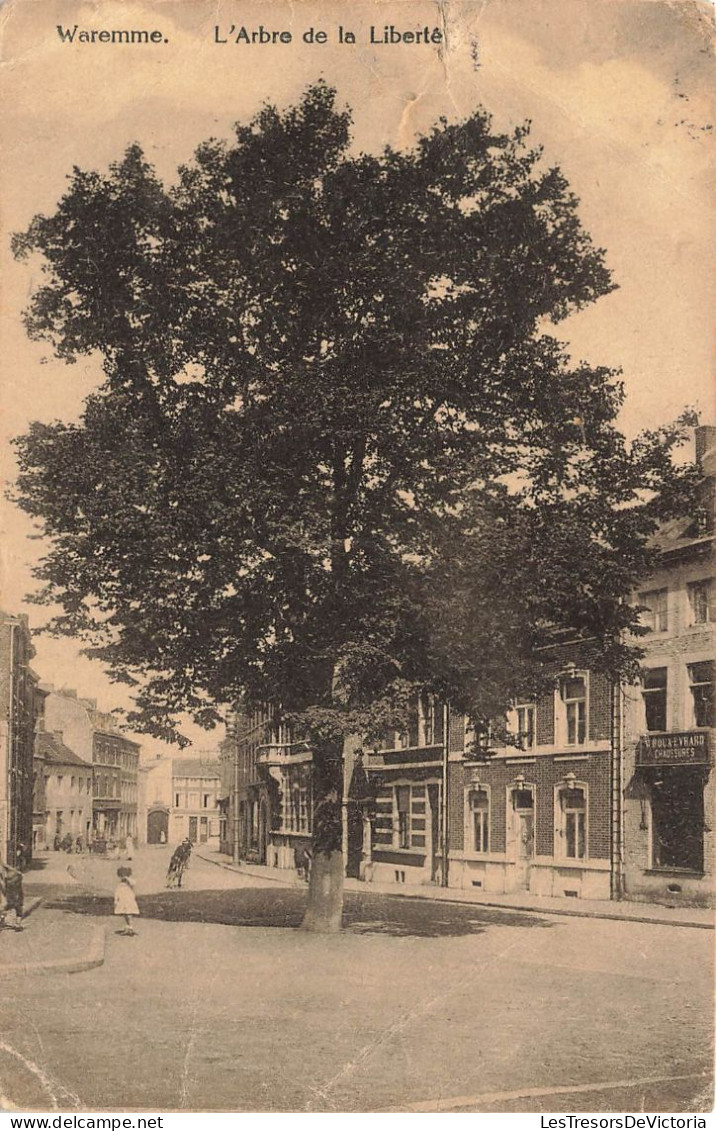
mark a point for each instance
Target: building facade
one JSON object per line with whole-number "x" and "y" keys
{"x": 266, "y": 790}
{"x": 531, "y": 814}
{"x": 63, "y": 793}
{"x": 195, "y": 800}
{"x": 669, "y": 793}
{"x": 96, "y": 738}
{"x": 21, "y": 706}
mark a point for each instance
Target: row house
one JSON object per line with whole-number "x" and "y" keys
{"x": 96, "y": 738}
{"x": 21, "y": 706}
{"x": 531, "y": 814}
{"x": 668, "y": 721}
{"x": 63, "y": 793}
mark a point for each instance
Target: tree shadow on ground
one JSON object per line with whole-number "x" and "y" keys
{"x": 267, "y": 907}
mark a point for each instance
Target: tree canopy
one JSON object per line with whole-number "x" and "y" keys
{"x": 337, "y": 451}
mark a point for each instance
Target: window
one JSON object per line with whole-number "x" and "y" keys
{"x": 655, "y": 616}
{"x": 701, "y": 679}
{"x": 430, "y": 721}
{"x": 206, "y": 800}
{"x": 402, "y": 806}
{"x": 60, "y": 779}
{"x": 72, "y": 782}
{"x": 479, "y": 810}
{"x": 573, "y": 691}
{"x": 573, "y": 806}
{"x": 654, "y": 681}
{"x": 677, "y": 818}
{"x": 525, "y": 723}
{"x": 699, "y": 593}
{"x": 298, "y": 815}
{"x": 177, "y": 802}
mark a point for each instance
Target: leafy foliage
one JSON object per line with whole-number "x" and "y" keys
{"x": 336, "y": 454}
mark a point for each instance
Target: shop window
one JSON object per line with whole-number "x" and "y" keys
{"x": 573, "y": 695}
{"x": 654, "y": 687}
{"x": 655, "y": 613}
{"x": 677, "y": 818}
{"x": 573, "y": 810}
{"x": 479, "y": 811}
{"x": 401, "y": 800}
{"x": 701, "y": 679}
{"x": 699, "y": 593}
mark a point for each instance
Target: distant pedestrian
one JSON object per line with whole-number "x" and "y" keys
{"x": 129, "y": 847}
{"x": 57, "y": 842}
{"x": 11, "y": 895}
{"x": 302, "y": 858}
{"x": 79, "y": 844}
{"x": 125, "y": 901}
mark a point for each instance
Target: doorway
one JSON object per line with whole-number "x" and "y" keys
{"x": 523, "y": 829}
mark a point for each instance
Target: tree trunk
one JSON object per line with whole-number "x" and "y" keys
{"x": 324, "y": 912}
{"x": 325, "y": 889}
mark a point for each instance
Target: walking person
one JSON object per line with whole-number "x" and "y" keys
{"x": 125, "y": 901}
{"x": 11, "y": 895}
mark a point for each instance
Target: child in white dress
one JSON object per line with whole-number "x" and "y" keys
{"x": 125, "y": 902}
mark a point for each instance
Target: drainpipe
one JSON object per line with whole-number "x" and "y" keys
{"x": 6, "y": 845}
{"x": 445, "y": 812}
{"x": 616, "y": 876}
{"x": 235, "y": 802}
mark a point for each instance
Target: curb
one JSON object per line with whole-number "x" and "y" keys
{"x": 94, "y": 957}
{"x": 566, "y": 912}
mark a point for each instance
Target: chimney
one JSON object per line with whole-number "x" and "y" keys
{"x": 705, "y": 436}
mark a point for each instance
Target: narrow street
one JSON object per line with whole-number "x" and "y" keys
{"x": 220, "y": 1004}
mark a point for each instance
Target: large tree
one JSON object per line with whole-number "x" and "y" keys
{"x": 336, "y": 454}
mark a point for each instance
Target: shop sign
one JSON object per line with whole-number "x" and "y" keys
{"x": 684, "y": 748}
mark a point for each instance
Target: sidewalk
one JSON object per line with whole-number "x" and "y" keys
{"x": 52, "y": 941}
{"x": 700, "y": 917}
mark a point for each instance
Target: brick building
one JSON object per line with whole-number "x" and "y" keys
{"x": 21, "y": 706}
{"x": 533, "y": 816}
